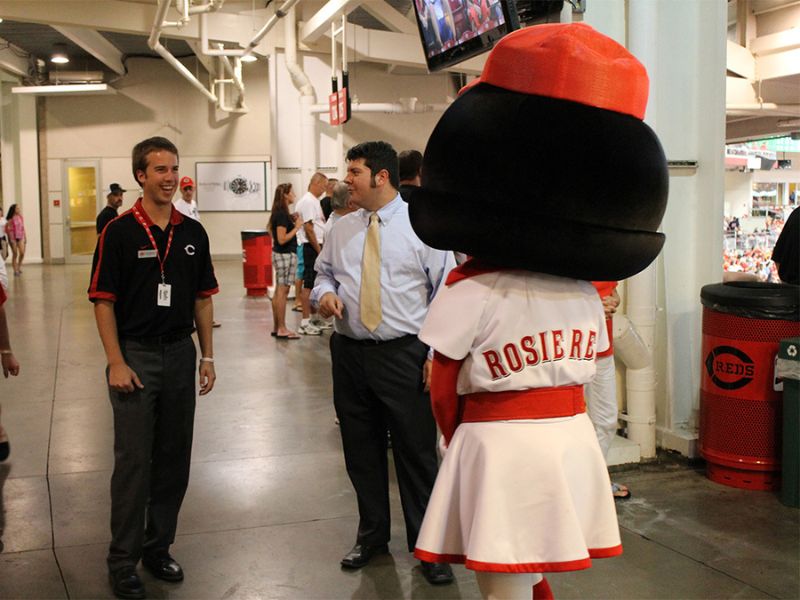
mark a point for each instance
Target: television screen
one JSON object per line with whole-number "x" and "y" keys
{"x": 454, "y": 30}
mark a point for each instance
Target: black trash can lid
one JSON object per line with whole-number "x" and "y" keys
{"x": 249, "y": 234}
{"x": 753, "y": 299}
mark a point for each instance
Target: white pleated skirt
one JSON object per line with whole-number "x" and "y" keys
{"x": 521, "y": 496}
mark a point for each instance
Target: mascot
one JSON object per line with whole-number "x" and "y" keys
{"x": 545, "y": 174}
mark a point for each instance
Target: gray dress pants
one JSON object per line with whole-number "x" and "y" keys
{"x": 153, "y": 429}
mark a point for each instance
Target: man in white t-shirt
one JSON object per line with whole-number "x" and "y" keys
{"x": 186, "y": 204}
{"x": 311, "y": 236}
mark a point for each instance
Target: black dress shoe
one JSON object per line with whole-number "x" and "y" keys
{"x": 163, "y": 566}
{"x": 360, "y": 555}
{"x": 437, "y": 573}
{"x": 126, "y": 584}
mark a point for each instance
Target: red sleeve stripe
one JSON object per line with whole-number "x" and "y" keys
{"x": 102, "y": 296}
{"x": 208, "y": 293}
{"x": 96, "y": 274}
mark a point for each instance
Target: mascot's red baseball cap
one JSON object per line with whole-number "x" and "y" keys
{"x": 186, "y": 182}
{"x": 544, "y": 162}
{"x": 570, "y": 62}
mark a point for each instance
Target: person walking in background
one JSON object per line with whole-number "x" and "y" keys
{"x": 311, "y": 236}
{"x": 152, "y": 281}
{"x": 340, "y": 205}
{"x": 9, "y": 361}
{"x": 601, "y": 392}
{"x": 15, "y": 232}
{"x": 3, "y": 237}
{"x": 283, "y": 227}
{"x": 109, "y": 212}
{"x": 410, "y": 165}
{"x": 186, "y": 204}
{"x": 325, "y": 203}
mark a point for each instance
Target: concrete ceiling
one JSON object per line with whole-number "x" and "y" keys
{"x": 763, "y": 44}
{"x": 763, "y": 79}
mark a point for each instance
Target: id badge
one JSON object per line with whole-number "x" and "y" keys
{"x": 164, "y": 294}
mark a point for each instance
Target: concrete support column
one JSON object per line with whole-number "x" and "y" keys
{"x": 683, "y": 45}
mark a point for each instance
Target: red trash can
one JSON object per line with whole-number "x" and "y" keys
{"x": 740, "y": 397}
{"x": 257, "y": 259}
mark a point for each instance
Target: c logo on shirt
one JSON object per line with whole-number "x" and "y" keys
{"x": 189, "y": 249}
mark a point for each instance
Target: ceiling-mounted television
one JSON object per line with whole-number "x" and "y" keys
{"x": 454, "y": 30}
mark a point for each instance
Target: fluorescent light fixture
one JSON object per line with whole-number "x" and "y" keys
{"x": 249, "y": 58}
{"x": 59, "y": 55}
{"x": 78, "y": 89}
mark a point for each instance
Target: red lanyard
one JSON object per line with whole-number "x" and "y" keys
{"x": 161, "y": 261}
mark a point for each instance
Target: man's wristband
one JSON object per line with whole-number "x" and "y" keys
{"x": 206, "y": 359}
{"x": 6, "y": 352}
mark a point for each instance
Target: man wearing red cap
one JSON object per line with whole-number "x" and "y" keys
{"x": 186, "y": 204}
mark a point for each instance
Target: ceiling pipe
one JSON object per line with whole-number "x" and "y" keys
{"x": 308, "y": 124}
{"x": 155, "y": 45}
{"x": 235, "y": 72}
{"x": 404, "y": 106}
{"x": 279, "y": 14}
{"x": 206, "y": 48}
{"x": 212, "y": 6}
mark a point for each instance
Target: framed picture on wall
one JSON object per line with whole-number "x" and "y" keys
{"x": 232, "y": 186}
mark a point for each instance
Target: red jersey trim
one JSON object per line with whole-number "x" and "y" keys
{"x": 470, "y": 268}
{"x": 544, "y": 567}
{"x": 102, "y": 296}
{"x": 208, "y": 293}
{"x": 96, "y": 274}
{"x": 3, "y": 296}
{"x": 539, "y": 403}
{"x": 175, "y": 217}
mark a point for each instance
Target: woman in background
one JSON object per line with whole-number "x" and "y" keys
{"x": 283, "y": 226}
{"x": 15, "y": 232}
{"x": 9, "y": 363}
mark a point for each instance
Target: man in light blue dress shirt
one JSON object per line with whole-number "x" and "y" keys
{"x": 380, "y": 375}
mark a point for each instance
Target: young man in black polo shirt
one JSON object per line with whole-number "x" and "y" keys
{"x": 152, "y": 282}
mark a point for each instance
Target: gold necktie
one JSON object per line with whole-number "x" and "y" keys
{"x": 370, "y": 298}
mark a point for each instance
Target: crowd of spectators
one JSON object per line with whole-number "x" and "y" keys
{"x": 751, "y": 251}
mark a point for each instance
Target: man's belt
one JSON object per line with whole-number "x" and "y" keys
{"x": 158, "y": 340}
{"x": 370, "y": 342}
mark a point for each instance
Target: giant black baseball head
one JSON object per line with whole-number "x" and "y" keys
{"x": 545, "y": 163}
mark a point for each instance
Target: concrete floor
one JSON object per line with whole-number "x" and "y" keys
{"x": 270, "y": 511}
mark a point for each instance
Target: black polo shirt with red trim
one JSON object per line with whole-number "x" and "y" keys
{"x": 126, "y": 272}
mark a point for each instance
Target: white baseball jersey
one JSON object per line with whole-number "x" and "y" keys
{"x": 518, "y": 330}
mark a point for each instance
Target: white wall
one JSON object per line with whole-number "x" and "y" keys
{"x": 688, "y": 82}
{"x": 738, "y": 194}
{"x": 154, "y": 100}
{"x": 369, "y": 83}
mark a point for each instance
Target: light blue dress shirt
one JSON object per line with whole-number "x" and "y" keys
{"x": 411, "y": 272}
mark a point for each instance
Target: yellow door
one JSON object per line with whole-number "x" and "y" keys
{"x": 83, "y": 207}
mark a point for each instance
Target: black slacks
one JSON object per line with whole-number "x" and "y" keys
{"x": 153, "y": 430}
{"x": 378, "y": 388}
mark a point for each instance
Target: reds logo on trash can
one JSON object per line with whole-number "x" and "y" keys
{"x": 729, "y": 368}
